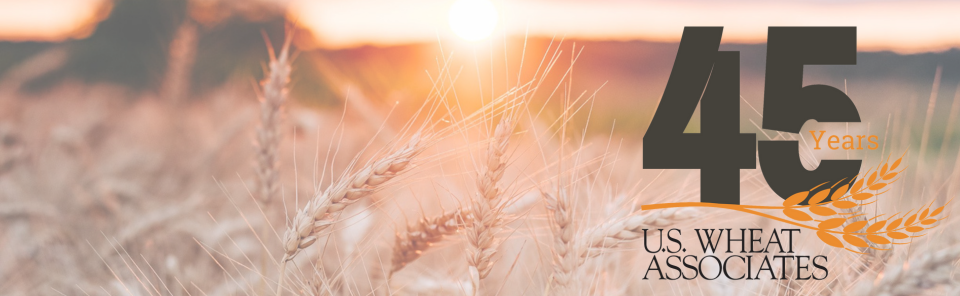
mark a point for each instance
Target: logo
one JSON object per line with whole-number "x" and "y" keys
{"x": 828, "y": 199}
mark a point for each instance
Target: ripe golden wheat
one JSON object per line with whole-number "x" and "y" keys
{"x": 487, "y": 206}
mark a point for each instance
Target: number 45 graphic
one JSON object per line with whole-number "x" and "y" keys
{"x": 703, "y": 74}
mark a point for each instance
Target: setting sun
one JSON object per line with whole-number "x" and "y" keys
{"x": 473, "y": 19}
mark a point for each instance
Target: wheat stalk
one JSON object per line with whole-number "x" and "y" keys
{"x": 565, "y": 259}
{"x": 423, "y": 234}
{"x": 272, "y": 97}
{"x": 320, "y": 212}
{"x": 789, "y": 286}
{"x": 180, "y": 60}
{"x": 426, "y": 232}
{"x": 927, "y": 120}
{"x": 948, "y": 137}
{"x": 610, "y": 235}
{"x": 487, "y": 207}
{"x": 930, "y": 270}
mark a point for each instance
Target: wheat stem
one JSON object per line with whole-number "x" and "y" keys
{"x": 928, "y": 119}
{"x": 947, "y": 136}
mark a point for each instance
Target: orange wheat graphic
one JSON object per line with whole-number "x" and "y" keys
{"x": 840, "y": 214}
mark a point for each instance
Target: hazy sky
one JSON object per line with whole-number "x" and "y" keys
{"x": 49, "y": 20}
{"x": 904, "y": 26}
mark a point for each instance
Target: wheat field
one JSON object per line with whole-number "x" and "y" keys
{"x": 499, "y": 188}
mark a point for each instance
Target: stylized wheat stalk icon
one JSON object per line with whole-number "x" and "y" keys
{"x": 880, "y": 229}
{"x": 849, "y": 222}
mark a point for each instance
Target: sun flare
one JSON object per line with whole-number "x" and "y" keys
{"x": 473, "y": 20}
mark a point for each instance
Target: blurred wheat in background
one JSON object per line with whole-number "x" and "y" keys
{"x": 210, "y": 147}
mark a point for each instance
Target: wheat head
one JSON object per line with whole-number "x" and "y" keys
{"x": 274, "y": 94}
{"x": 424, "y": 233}
{"x": 487, "y": 207}
{"x": 319, "y": 213}
{"x": 612, "y": 234}
{"x": 565, "y": 259}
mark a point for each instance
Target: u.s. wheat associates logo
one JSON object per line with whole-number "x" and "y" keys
{"x": 828, "y": 200}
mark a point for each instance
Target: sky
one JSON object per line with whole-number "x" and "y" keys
{"x": 901, "y": 26}
{"x": 50, "y": 20}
